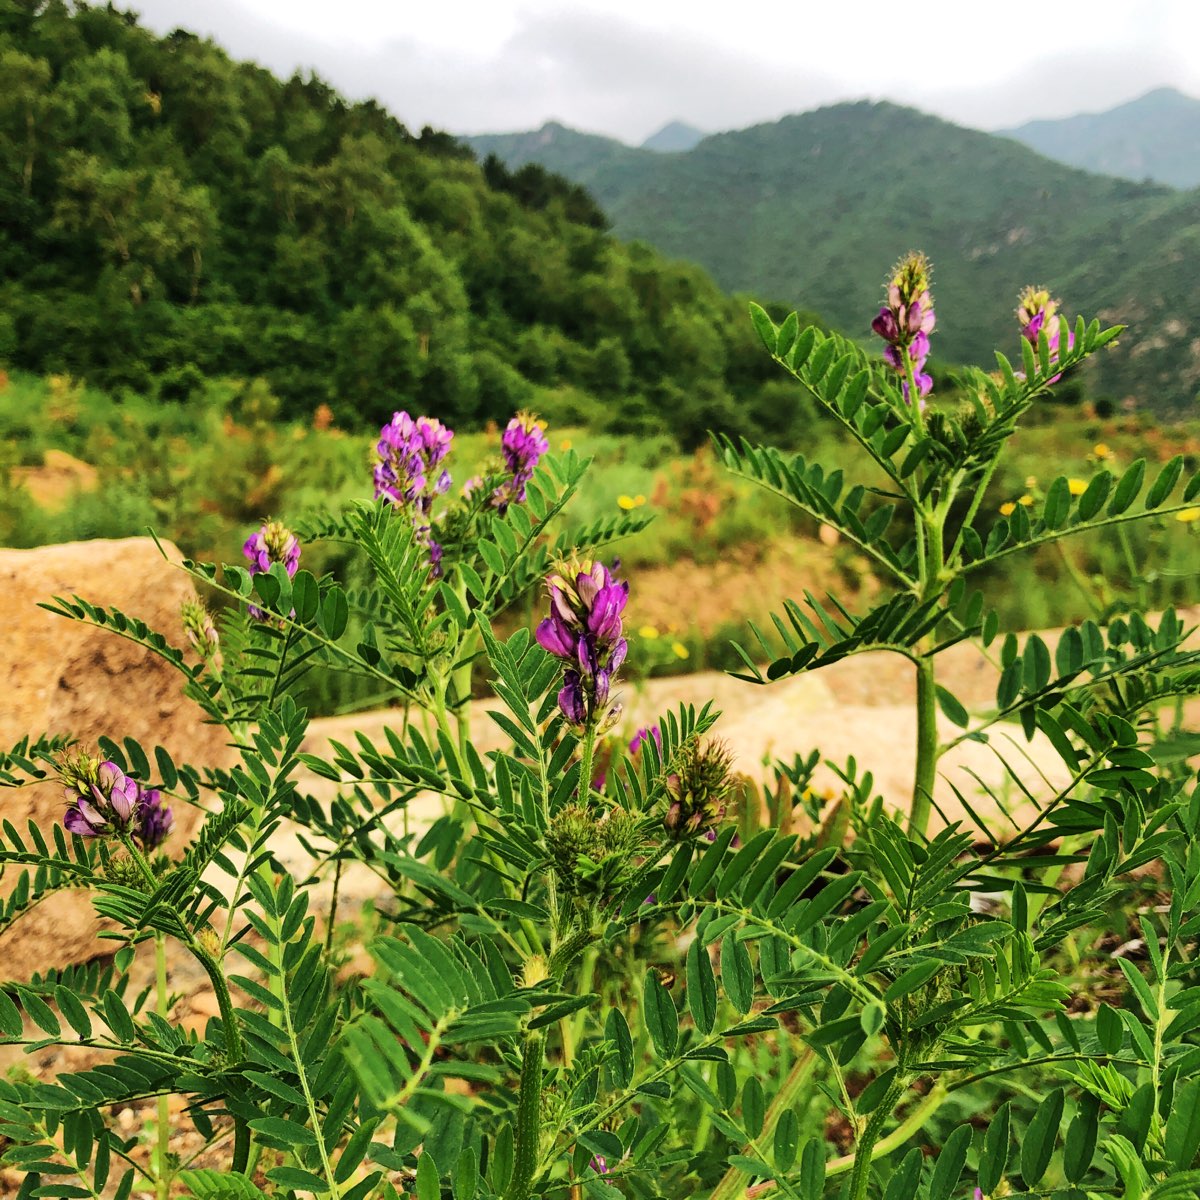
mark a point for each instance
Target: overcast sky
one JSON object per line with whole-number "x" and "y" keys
{"x": 626, "y": 67}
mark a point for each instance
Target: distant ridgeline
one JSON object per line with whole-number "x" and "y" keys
{"x": 811, "y": 206}
{"x": 168, "y": 215}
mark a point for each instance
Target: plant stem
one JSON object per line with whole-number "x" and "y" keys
{"x": 927, "y": 749}
{"x": 162, "y": 1182}
{"x": 732, "y": 1182}
{"x": 529, "y": 1119}
{"x": 932, "y": 567}
{"x": 241, "y": 1145}
{"x": 585, "y": 765}
{"x": 864, "y": 1152}
{"x": 912, "y": 1124}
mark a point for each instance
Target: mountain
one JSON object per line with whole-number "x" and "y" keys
{"x": 169, "y": 215}
{"x": 674, "y": 137}
{"x": 814, "y": 208}
{"x": 1154, "y": 137}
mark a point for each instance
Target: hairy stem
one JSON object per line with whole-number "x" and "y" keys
{"x": 585, "y": 765}
{"x": 864, "y": 1152}
{"x": 162, "y": 1181}
{"x": 529, "y": 1119}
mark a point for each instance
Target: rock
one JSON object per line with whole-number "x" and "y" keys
{"x": 64, "y": 677}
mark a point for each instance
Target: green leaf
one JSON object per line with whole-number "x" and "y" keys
{"x": 278, "y": 1131}
{"x": 812, "y": 1169}
{"x": 428, "y": 1178}
{"x": 951, "y": 706}
{"x": 297, "y": 1180}
{"x": 701, "y": 987}
{"x": 1110, "y": 1033}
{"x": 1127, "y": 488}
{"x": 994, "y": 1158}
{"x": 1080, "y": 1145}
{"x": 787, "y": 1140}
{"x": 1058, "y": 503}
{"x": 737, "y": 973}
{"x": 117, "y": 1017}
{"x": 1162, "y": 487}
{"x": 662, "y": 1020}
{"x": 903, "y": 1183}
{"x": 764, "y": 326}
{"x": 1037, "y": 1147}
{"x": 754, "y": 1106}
{"x": 950, "y": 1163}
{"x": 616, "y": 1033}
{"x": 11, "y": 1023}
{"x": 1183, "y": 1126}
{"x": 70, "y": 1007}
{"x": 335, "y": 613}
{"x": 912, "y": 979}
{"x": 305, "y": 596}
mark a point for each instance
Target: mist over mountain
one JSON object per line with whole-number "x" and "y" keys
{"x": 814, "y": 208}
{"x": 1156, "y": 137}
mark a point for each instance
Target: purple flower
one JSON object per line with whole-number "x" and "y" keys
{"x": 272, "y": 543}
{"x": 407, "y": 476}
{"x": 599, "y": 1164}
{"x": 906, "y": 321}
{"x": 644, "y": 735}
{"x": 1037, "y": 310}
{"x": 101, "y": 799}
{"x": 584, "y": 630}
{"x": 409, "y": 453}
{"x": 522, "y": 445}
{"x": 155, "y": 820}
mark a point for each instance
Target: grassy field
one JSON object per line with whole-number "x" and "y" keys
{"x": 79, "y": 463}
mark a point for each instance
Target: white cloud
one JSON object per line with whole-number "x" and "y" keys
{"x": 626, "y": 67}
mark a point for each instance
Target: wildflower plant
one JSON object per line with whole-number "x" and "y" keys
{"x": 655, "y": 976}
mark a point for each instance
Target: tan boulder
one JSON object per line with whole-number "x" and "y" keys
{"x": 65, "y": 677}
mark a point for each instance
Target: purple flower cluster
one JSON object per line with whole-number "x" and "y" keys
{"x": 585, "y": 630}
{"x": 906, "y": 321}
{"x": 103, "y": 800}
{"x": 273, "y": 543}
{"x": 523, "y": 444}
{"x": 1037, "y": 310}
{"x": 155, "y": 820}
{"x": 409, "y": 454}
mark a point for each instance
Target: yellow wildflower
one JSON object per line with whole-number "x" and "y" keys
{"x": 1031, "y": 482}
{"x": 1101, "y": 451}
{"x": 1008, "y": 508}
{"x": 647, "y": 631}
{"x": 630, "y": 502}
{"x": 1077, "y": 486}
{"x": 680, "y": 650}
{"x": 1188, "y": 515}
{"x": 565, "y": 444}
{"x": 1025, "y": 501}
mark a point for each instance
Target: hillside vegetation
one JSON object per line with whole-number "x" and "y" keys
{"x": 1156, "y": 136}
{"x": 168, "y": 215}
{"x": 806, "y": 209}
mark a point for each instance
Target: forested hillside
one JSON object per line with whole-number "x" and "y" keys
{"x": 169, "y": 215}
{"x": 806, "y": 209}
